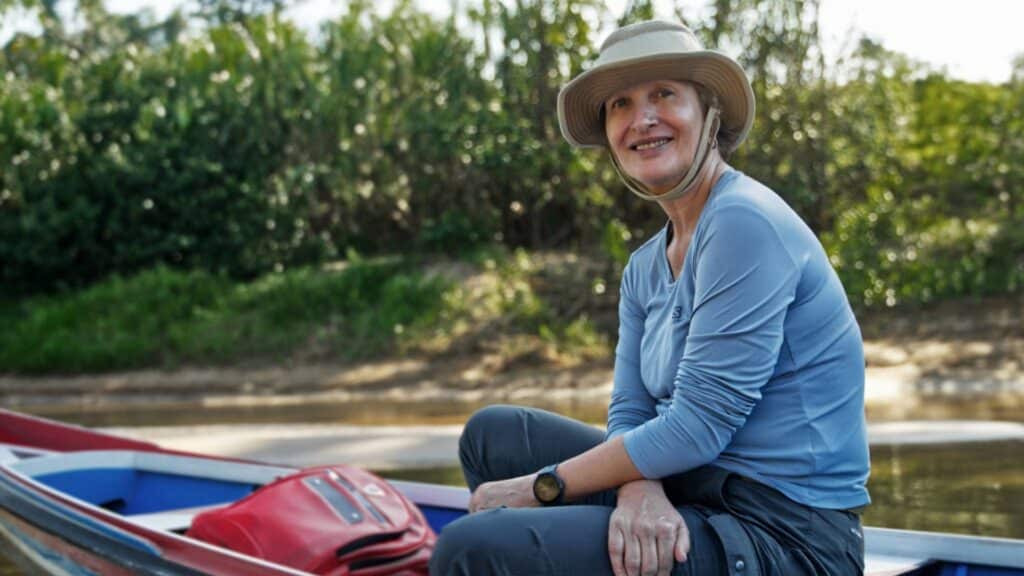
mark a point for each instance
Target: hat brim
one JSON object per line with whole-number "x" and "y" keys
{"x": 581, "y": 100}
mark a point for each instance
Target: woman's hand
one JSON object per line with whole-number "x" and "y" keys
{"x": 514, "y": 493}
{"x": 646, "y": 532}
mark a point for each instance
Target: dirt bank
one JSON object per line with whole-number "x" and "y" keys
{"x": 953, "y": 360}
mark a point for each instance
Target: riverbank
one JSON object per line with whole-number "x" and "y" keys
{"x": 955, "y": 360}
{"x": 438, "y": 395}
{"x": 909, "y": 380}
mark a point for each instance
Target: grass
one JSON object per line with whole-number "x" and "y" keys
{"x": 164, "y": 318}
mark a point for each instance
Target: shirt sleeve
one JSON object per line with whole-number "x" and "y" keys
{"x": 631, "y": 405}
{"x": 745, "y": 279}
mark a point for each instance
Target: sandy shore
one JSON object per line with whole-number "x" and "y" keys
{"x": 891, "y": 378}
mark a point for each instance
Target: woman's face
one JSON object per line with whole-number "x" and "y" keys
{"x": 653, "y": 129}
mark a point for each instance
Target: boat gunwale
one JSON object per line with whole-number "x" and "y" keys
{"x": 62, "y": 500}
{"x": 947, "y": 547}
{"x": 930, "y": 547}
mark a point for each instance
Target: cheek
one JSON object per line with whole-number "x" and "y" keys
{"x": 612, "y": 129}
{"x": 688, "y": 118}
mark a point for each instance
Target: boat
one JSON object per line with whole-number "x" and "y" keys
{"x": 75, "y": 501}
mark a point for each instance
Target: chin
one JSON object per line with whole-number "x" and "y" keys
{"x": 659, "y": 183}
{"x": 655, "y": 177}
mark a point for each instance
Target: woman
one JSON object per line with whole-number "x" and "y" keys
{"x": 736, "y": 439}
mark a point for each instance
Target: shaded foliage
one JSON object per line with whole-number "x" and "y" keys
{"x": 163, "y": 316}
{"x": 246, "y": 146}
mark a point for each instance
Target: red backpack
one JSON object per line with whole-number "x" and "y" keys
{"x": 332, "y": 520}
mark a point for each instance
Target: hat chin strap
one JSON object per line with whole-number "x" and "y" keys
{"x": 707, "y": 143}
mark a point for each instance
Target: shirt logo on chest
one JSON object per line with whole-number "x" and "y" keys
{"x": 677, "y": 312}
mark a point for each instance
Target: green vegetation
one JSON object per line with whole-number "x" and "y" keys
{"x": 166, "y": 316}
{"x": 365, "y": 309}
{"x": 195, "y": 170}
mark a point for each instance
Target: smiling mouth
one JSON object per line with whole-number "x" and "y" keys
{"x": 650, "y": 145}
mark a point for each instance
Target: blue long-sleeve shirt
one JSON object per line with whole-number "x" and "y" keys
{"x": 751, "y": 360}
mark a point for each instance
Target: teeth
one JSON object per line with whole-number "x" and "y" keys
{"x": 649, "y": 145}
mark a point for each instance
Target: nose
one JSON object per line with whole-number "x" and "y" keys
{"x": 644, "y": 117}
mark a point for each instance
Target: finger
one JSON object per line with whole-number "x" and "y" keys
{"x": 682, "y": 547}
{"x": 632, "y": 555}
{"x": 648, "y": 553}
{"x": 666, "y": 543}
{"x": 616, "y": 547}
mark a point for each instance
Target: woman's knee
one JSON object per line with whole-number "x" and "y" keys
{"x": 487, "y": 426}
{"x": 489, "y": 419}
{"x": 504, "y": 441}
{"x": 486, "y": 444}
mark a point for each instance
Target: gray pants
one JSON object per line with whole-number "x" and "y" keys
{"x": 737, "y": 526}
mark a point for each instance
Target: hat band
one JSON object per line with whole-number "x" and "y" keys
{"x": 704, "y": 147}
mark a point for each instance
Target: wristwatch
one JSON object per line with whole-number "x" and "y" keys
{"x": 548, "y": 487}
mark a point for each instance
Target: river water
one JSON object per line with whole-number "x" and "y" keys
{"x": 975, "y": 488}
{"x": 969, "y": 488}
{"x": 994, "y": 406}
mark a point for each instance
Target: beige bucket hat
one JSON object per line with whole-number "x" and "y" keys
{"x": 653, "y": 50}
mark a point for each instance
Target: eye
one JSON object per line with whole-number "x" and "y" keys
{"x": 616, "y": 103}
{"x": 665, "y": 92}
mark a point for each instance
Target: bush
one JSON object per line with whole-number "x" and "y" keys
{"x": 247, "y": 147}
{"x": 455, "y": 232}
{"x": 889, "y": 253}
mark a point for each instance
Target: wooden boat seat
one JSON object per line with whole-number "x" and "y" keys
{"x": 177, "y": 520}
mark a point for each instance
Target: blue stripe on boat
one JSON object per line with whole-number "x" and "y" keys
{"x": 974, "y": 570}
{"x": 438, "y": 516}
{"x": 131, "y": 491}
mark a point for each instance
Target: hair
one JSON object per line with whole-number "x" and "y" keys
{"x": 726, "y": 137}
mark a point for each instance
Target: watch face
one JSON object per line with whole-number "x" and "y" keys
{"x": 546, "y": 488}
